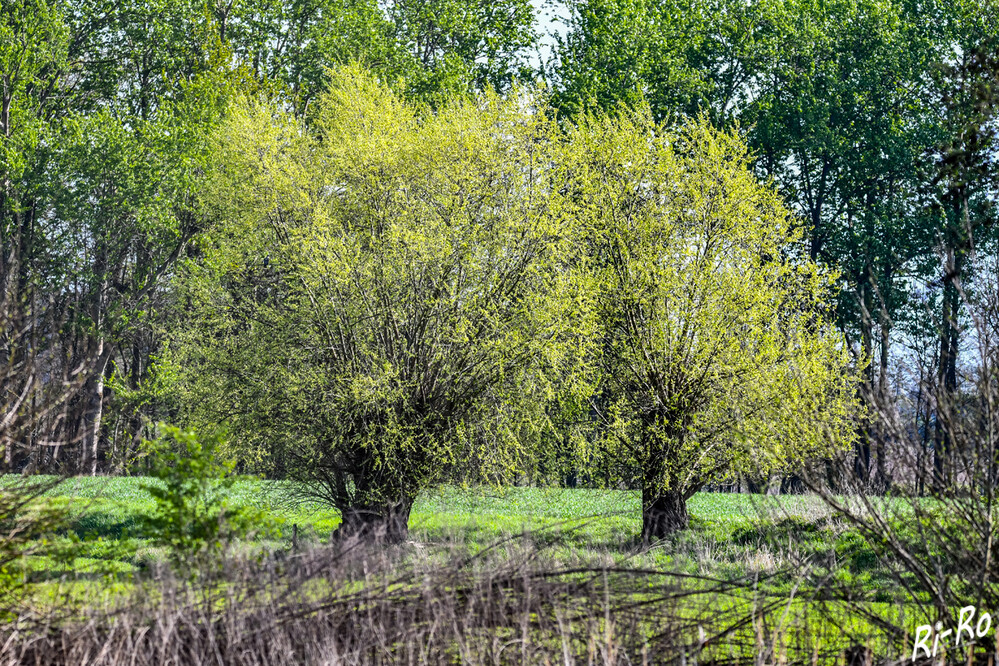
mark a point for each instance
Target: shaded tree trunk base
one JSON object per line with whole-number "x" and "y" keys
{"x": 663, "y": 514}
{"x": 381, "y": 524}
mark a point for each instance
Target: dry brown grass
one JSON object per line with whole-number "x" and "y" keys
{"x": 361, "y": 604}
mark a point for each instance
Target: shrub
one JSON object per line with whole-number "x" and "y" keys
{"x": 192, "y": 518}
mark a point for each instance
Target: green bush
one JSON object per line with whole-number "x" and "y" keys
{"x": 192, "y": 518}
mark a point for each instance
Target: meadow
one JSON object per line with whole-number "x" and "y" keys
{"x": 732, "y": 535}
{"x": 761, "y": 573}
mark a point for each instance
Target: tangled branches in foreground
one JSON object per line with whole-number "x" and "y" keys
{"x": 348, "y": 605}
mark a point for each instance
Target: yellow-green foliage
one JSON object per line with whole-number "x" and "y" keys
{"x": 398, "y": 295}
{"x": 717, "y": 348}
{"x": 392, "y": 294}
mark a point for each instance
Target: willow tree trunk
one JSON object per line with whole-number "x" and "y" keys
{"x": 663, "y": 512}
{"x": 384, "y": 522}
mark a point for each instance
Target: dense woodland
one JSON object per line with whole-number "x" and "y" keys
{"x": 371, "y": 247}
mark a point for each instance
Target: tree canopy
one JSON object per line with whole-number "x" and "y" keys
{"x": 391, "y": 294}
{"x": 398, "y": 293}
{"x": 717, "y": 347}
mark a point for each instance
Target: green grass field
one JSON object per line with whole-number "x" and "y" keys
{"x": 776, "y": 550}
{"x": 731, "y": 537}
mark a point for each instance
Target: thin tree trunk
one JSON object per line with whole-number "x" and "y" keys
{"x": 947, "y": 369}
{"x": 881, "y": 478}
{"x": 93, "y": 390}
{"x": 862, "y": 459}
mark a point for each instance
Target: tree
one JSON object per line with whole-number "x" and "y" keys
{"x": 389, "y": 297}
{"x": 961, "y": 193}
{"x": 682, "y": 57}
{"x": 32, "y": 43}
{"x": 839, "y": 122}
{"x": 425, "y": 50}
{"x": 717, "y": 346}
{"x": 103, "y": 110}
{"x": 288, "y": 45}
{"x": 834, "y": 100}
{"x": 125, "y": 195}
{"x": 457, "y": 47}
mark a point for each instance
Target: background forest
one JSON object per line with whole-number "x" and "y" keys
{"x": 372, "y": 252}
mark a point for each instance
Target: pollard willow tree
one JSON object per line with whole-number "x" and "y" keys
{"x": 717, "y": 350}
{"x": 390, "y": 298}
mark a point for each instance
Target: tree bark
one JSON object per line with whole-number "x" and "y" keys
{"x": 93, "y": 395}
{"x": 862, "y": 455}
{"x": 663, "y": 512}
{"x": 882, "y": 480}
{"x": 947, "y": 369}
{"x": 384, "y": 523}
